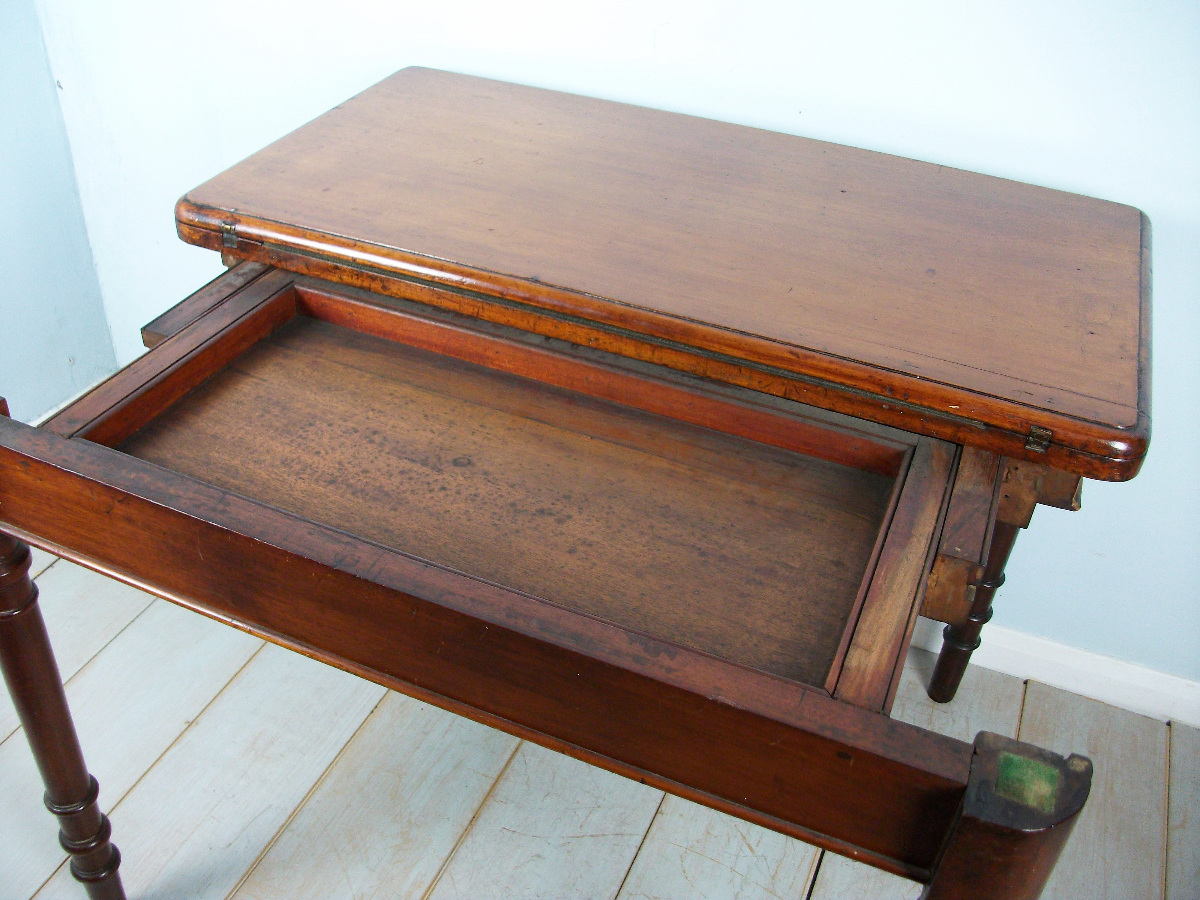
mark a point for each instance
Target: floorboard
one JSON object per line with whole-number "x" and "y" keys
{"x": 695, "y": 852}
{"x": 208, "y": 808}
{"x": 552, "y": 828}
{"x": 122, "y": 726}
{"x": 83, "y": 612}
{"x": 40, "y": 561}
{"x": 1117, "y": 848}
{"x": 1183, "y": 841}
{"x": 389, "y": 811}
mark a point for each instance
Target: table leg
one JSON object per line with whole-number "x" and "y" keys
{"x": 1019, "y": 808}
{"x": 960, "y": 641}
{"x": 37, "y": 693}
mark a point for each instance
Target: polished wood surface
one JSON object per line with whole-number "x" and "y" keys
{"x": 769, "y": 749}
{"x": 718, "y": 543}
{"x": 966, "y": 297}
{"x": 189, "y": 309}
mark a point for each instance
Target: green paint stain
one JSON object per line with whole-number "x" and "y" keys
{"x": 1027, "y": 781}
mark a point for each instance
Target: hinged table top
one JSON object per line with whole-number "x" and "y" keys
{"x": 961, "y": 295}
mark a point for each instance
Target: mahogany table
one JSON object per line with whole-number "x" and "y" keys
{"x": 641, "y": 436}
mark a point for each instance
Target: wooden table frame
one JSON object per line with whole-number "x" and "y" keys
{"x": 822, "y": 763}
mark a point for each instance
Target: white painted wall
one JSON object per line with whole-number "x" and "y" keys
{"x": 1098, "y": 98}
{"x": 54, "y": 339}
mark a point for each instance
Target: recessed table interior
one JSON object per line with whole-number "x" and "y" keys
{"x": 710, "y": 540}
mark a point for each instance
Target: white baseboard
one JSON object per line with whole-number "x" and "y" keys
{"x": 1114, "y": 681}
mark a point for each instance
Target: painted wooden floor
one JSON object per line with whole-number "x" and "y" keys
{"x": 234, "y": 769}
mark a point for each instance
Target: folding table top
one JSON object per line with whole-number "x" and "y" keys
{"x": 972, "y": 305}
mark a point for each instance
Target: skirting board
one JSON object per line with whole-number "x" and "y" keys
{"x": 1114, "y": 681}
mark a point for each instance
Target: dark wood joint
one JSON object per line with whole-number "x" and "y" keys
{"x": 1017, "y": 813}
{"x": 966, "y": 537}
{"x": 961, "y": 639}
{"x": 1026, "y": 484}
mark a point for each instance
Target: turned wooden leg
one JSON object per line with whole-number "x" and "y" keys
{"x": 960, "y": 641}
{"x": 1019, "y": 808}
{"x": 37, "y": 692}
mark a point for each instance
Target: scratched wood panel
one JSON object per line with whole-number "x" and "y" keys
{"x": 198, "y": 819}
{"x": 1117, "y": 847}
{"x": 83, "y": 612}
{"x": 130, "y": 703}
{"x": 692, "y": 851}
{"x": 647, "y": 215}
{"x": 552, "y": 827}
{"x": 986, "y": 701}
{"x": 390, "y": 810}
{"x": 1183, "y": 848}
{"x": 715, "y": 542}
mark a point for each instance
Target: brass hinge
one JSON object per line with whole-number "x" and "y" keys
{"x": 229, "y": 234}
{"x": 1039, "y": 439}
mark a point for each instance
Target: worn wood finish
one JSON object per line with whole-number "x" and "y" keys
{"x": 972, "y": 509}
{"x": 986, "y": 701}
{"x": 1011, "y": 439}
{"x": 1020, "y": 807}
{"x": 150, "y": 384}
{"x": 554, "y": 465}
{"x": 884, "y": 626}
{"x": 715, "y": 543}
{"x": 192, "y": 307}
{"x": 965, "y": 538}
{"x": 37, "y": 693}
{"x": 881, "y": 603}
{"x": 553, "y": 202}
{"x": 961, "y": 639}
{"x": 950, "y": 589}
{"x": 779, "y": 422}
{"x": 762, "y": 748}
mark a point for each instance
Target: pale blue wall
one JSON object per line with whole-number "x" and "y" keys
{"x": 54, "y": 339}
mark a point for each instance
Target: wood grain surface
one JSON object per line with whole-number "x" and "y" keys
{"x": 390, "y": 810}
{"x": 986, "y": 701}
{"x": 735, "y": 548}
{"x": 862, "y": 268}
{"x": 1116, "y": 848}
